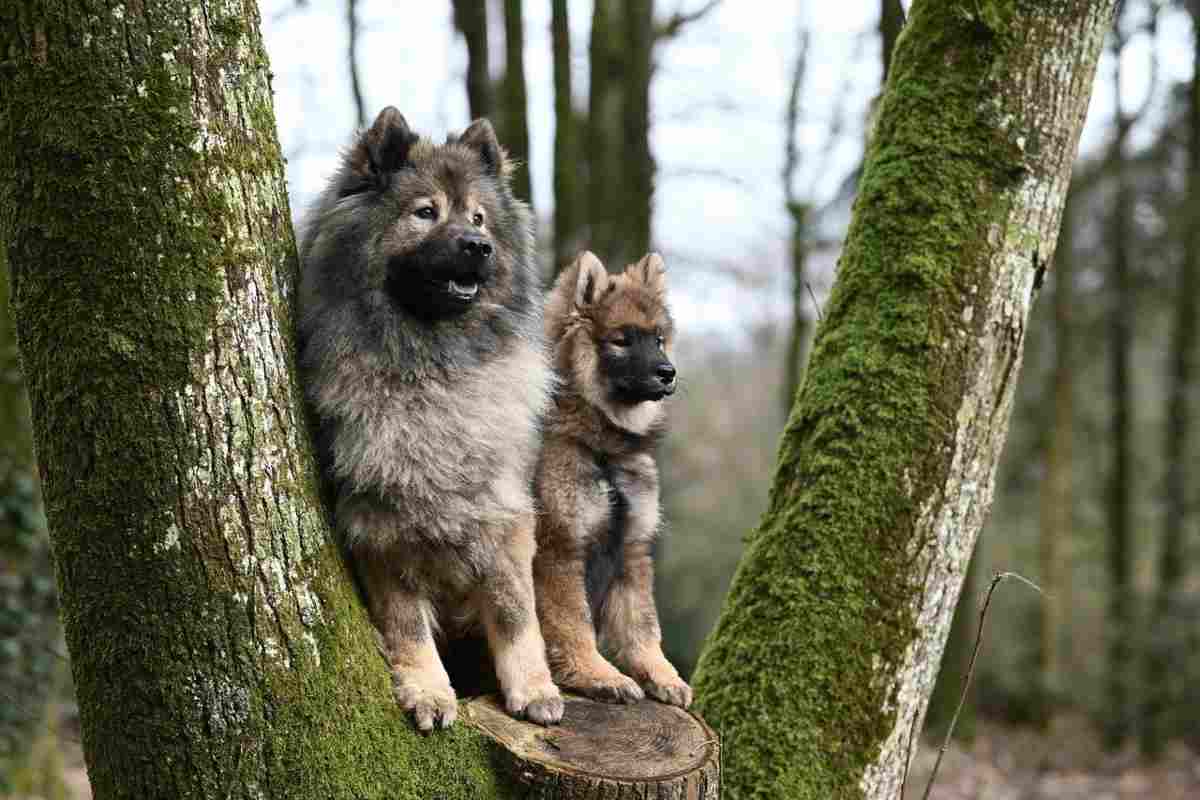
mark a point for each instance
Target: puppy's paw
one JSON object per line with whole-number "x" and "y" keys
{"x": 602, "y": 682}
{"x": 539, "y": 702}
{"x": 430, "y": 706}
{"x": 661, "y": 680}
{"x": 673, "y": 692}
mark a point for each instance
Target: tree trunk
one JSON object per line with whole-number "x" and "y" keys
{"x": 567, "y": 161}
{"x": 515, "y": 128}
{"x": 1120, "y": 342}
{"x": 1056, "y": 504}
{"x": 602, "y": 750}
{"x": 891, "y": 21}
{"x": 470, "y": 17}
{"x": 218, "y": 650}
{"x": 605, "y": 132}
{"x": 1161, "y": 686}
{"x": 820, "y": 668}
{"x": 637, "y": 161}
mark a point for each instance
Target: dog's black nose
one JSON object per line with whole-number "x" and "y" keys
{"x": 666, "y": 372}
{"x": 474, "y": 246}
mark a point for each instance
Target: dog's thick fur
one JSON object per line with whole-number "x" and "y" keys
{"x": 423, "y": 360}
{"x": 598, "y": 484}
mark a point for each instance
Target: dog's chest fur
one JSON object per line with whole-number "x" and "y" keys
{"x": 452, "y": 453}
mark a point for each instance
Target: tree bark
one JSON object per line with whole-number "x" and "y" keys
{"x": 1161, "y": 688}
{"x": 470, "y": 17}
{"x": 820, "y": 668}
{"x": 568, "y": 200}
{"x": 515, "y": 128}
{"x": 1120, "y": 341}
{"x": 217, "y": 647}
{"x": 1056, "y": 503}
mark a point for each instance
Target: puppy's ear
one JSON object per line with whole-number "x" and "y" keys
{"x": 481, "y": 138}
{"x": 651, "y": 272}
{"x": 591, "y": 281}
{"x": 381, "y": 149}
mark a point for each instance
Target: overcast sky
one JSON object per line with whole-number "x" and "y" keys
{"x": 718, "y": 102}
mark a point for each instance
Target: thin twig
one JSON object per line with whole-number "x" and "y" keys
{"x": 816, "y": 307}
{"x": 962, "y": 698}
{"x": 680, "y": 19}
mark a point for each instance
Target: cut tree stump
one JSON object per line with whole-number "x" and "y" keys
{"x": 605, "y": 751}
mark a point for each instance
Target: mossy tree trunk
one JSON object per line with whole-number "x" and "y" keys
{"x": 820, "y": 667}
{"x": 218, "y": 648}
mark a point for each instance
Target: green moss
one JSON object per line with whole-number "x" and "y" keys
{"x": 821, "y": 605}
{"x": 217, "y": 647}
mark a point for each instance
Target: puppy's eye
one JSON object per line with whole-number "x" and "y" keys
{"x": 426, "y": 212}
{"x": 661, "y": 341}
{"x": 620, "y": 340}
{"x": 477, "y": 219}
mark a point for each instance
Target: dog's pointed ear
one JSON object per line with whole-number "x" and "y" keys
{"x": 480, "y": 136}
{"x": 591, "y": 280}
{"x": 382, "y": 148}
{"x": 652, "y": 272}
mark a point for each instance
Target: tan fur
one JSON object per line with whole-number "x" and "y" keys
{"x": 597, "y": 449}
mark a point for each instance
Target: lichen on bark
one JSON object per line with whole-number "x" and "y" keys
{"x": 218, "y": 648}
{"x": 818, "y": 673}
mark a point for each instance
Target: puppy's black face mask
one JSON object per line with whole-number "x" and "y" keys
{"x": 636, "y": 366}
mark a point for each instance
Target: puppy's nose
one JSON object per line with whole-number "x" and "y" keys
{"x": 474, "y": 246}
{"x": 666, "y": 372}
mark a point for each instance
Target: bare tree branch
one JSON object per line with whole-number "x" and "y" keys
{"x": 791, "y": 156}
{"x": 360, "y": 108}
{"x": 674, "y": 24}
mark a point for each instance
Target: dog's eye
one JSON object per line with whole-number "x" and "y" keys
{"x": 619, "y": 341}
{"x": 426, "y": 212}
{"x": 477, "y": 219}
{"x": 661, "y": 341}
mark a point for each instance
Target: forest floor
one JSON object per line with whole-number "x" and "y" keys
{"x": 1006, "y": 763}
{"x": 1000, "y": 763}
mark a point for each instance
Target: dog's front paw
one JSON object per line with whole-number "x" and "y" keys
{"x": 674, "y": 692}
{"x": 602, "y": 682}
{"x": 661, "y": 681}
{"x": 539, "y": 702}
{"x": 430, "y": 706}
